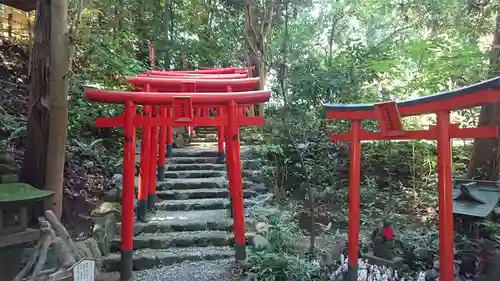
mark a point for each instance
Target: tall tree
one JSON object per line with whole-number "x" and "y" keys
{"x": 258, "y": 23}
{"x": 35, "y": 155}
{"x": 166, "y": 29}
{"x": 486, "y": 152}
{"x": 59, "y": 84}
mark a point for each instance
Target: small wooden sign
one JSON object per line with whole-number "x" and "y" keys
{"x": 389, "y": 119}
{"x": 83, "y": 270}
{"x": 183, "y": 109}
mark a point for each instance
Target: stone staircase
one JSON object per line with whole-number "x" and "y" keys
{"x": 192, "y": 220}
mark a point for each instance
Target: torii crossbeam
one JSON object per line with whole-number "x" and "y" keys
{"x": 391, "y": 128}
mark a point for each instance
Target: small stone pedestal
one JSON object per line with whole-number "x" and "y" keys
{"x": 395, "y": 263}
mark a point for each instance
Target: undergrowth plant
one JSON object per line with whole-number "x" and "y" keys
{"x": 281, "y": 259}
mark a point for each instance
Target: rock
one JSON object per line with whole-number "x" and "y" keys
{"x": 261, "y": 227}
{"x": 93, "y": 246}
{"x": 7, "y": 169}
{"x": 265, "y": 198}
{"x": 179, "y": 141}
{"x": 327, "y": 260}
{"x": 260, "y": 188}
{"x": 424, "y": 254}
{"x": 7, "y": 159}
{"x": 112, "y": 195}
{"x": 9, "y": 178}
{"x": 260, "y": 242}
{"x": 116, "y": 181}
{"x": 82, "y": 250}
{"x": 89, "y": 249}
{"x": 104, "y": 231}
{"x": 108, "y": 208}
{"x": 431, "y": 274}
{"x": 337, "y": 249}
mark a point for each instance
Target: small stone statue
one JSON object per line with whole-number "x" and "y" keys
{"x": 383, "y": 239}
{"x": 489, "y": 263}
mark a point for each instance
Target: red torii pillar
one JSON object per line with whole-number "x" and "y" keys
{"x": 182, "y": 115}
{"x": 391, "y": 128}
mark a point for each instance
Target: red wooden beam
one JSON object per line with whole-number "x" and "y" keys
{"x": 196, "y": 76}
{"x": 169, "y": 121}
{"x": 155, "y": 98}
{"x": 203, "y": 71}
{"x": 237, "y": 68}
{"x": 445, "y": 104}
{"x": 165, "y": 82}
{"x": 431, "y": 134}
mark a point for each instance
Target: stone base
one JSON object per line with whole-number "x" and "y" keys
{"x": 396, "y": 263}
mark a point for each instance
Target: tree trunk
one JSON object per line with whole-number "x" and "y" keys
{"x": 485, "y": 160}
{"x": 166, "y": 25}
{"x": 141, "y": 30}
{"x": 35, "y": 155}
{"x": 59, "y": 85}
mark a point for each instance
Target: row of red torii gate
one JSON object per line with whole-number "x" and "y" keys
{"x": 224, "y": 97}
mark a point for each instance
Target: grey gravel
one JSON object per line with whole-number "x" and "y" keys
{"x": 220, "y": 270}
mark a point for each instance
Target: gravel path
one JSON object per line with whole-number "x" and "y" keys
{"x": 221, "y": 270}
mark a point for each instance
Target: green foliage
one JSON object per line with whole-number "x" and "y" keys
{"x": 281, "y": 260}
{"x": 265, "y": 266}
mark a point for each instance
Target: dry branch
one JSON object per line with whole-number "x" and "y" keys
{"x": 53, "y": 233}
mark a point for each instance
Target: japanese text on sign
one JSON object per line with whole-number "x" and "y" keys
{"x": 84, "y": 270}
{"x": 183, "y": 110}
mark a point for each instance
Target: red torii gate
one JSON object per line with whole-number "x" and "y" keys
{"x": 182, "y": 116}
{"x": 168, "y": 84}
{"x": 391, "y": 128}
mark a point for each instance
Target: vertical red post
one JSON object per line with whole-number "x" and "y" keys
{"x": 170, "y": 135}
{"x": 153, "y": 160}
{"x": 127, "y": 243}
{"x": 220, "y": 138}
{"x": 235, "y": 180}
{"x": 446, "y": 244}
{"x": 144, "y": 167}
{"x": 162, "y": 146}
{"x": 354, "y": 200}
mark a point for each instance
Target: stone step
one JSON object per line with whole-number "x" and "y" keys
{"x": 192, "y": 183}
{"x": 188, "y": 174}
{"x": 211, "y": 145}
{"x": 195, "y": 163}
{"x": 181, "y": 239}
{"x": 206, "y": 129}
{"x": 199, "y": 221}
{"x": 198, "y": 204}
{"x": 148, "y": 259}
{"x": 212, "y": 135}
{"x": 194, "y": 220}
{"x": 184, "y": 194}
{"x": 198, "y": 183}
{"x": 205, "y": 138}
{"x": 194, "y": 152}
{"x": 191, "y": 160}
{"x": 204, "y": 152}
{"x": 196, "y": 166}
